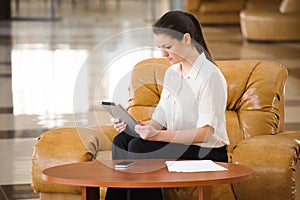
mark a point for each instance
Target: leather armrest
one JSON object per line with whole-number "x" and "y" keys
{"x": 62, "y": 146}
{"x": 56, "y": 147}
{"x": 273, "y": 159}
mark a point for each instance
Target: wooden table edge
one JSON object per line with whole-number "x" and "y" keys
{"x": 89, "y": 189}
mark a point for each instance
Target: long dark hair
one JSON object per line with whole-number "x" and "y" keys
{"x": 177, "y": 23}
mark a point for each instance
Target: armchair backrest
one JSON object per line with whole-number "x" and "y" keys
{"x": 255, "y": 104}
{"x": 290, "y": 6}
{"x": 265, "y": 5}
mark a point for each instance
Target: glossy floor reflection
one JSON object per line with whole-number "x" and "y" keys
{"x": 40, "y": 62}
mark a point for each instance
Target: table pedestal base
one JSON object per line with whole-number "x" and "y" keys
{"x": 204, "y": 193}
{"x": 91, "y": 193}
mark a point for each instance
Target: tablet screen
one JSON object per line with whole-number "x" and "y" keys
{"x": 119, "y": 112}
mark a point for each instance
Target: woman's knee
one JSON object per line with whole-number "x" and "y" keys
{"x": 139, "y": 148}
{"x": 121, "y": 139}
{"x": 136, "y": 145}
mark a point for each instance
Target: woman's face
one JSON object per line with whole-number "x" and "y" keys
{"x": 171, "y": 48}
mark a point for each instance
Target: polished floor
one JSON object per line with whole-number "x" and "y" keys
{"x": 45, "y": 55}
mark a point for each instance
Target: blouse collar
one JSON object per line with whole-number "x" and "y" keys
{"x": 193, "y": 73}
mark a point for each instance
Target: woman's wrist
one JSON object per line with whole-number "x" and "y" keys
{"x": 156, "y": 135}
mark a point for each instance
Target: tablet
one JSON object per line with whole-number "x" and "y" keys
{"x": 119, "y": 112}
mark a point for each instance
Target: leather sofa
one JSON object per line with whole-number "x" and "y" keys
{"x": 216, "y": 12}
{"x": 255, "y": 125}
{"x": 263, "y": 4}
{"x": 271, "y": 22}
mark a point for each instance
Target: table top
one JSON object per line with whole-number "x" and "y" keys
{"x": 148, "y": 173}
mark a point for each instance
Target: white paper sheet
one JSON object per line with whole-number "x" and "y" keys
{"x": 193, "y": 166}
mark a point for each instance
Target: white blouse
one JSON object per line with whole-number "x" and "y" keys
{"x": 194, "y": 101}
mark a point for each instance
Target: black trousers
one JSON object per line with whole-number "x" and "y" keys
{"x": 127, "y": 146}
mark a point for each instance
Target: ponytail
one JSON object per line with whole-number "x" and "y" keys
{"x": 199, "y": 37}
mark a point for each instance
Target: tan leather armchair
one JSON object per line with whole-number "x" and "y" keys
{"x": 255, "y": 125}
{"x": 215, "y": 11}
{"x": 274, "y": 22}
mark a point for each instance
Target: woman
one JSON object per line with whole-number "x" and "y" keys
{"x": 189, "y": 120}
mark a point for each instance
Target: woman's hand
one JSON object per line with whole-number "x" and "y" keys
{"x": 146, "y": 131}
{"x": 119, "y": 125}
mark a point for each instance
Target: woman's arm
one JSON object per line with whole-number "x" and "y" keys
{"x": 147, "y": 131}
{"x": 120, "y": 126}
{"x": 153, "y": 123}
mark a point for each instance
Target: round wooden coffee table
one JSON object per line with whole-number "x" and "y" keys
{"x": 150, "y": 173}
